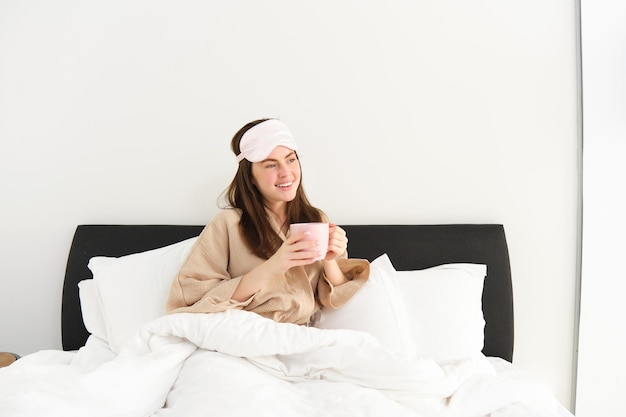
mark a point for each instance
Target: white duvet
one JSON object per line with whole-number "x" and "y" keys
{"x": 237, "y": 363}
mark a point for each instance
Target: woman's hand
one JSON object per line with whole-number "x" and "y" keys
{"x": 337, "y": 242}
{"x": 293, "y": 252}
{"x": 337, "y": 245}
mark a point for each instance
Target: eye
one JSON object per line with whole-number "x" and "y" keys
{"x": 270, "y": 165}
{"x": 292, "y": 160}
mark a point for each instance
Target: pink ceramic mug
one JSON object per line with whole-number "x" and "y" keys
{"x": 317, "y": 231}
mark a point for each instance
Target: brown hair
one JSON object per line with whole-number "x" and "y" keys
{"x": 255, "y": 224}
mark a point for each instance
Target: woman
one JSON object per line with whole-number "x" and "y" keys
{"x": 246, "y": 259}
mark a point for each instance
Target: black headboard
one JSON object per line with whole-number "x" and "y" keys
{"x": 408, "y": 246}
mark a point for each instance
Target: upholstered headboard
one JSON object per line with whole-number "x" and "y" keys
{"x": 408, "y": 246}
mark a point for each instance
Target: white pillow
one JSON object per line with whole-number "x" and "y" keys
{"x": 444, "y": 307}
{"x": 90, "y": 309}
{"x": 133, "y": 289}
{"x": 377, "y": 308}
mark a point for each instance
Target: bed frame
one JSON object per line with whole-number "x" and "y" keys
{"x": 408, "y": 246}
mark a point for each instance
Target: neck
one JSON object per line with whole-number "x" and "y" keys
{"x": 279, "y": 214}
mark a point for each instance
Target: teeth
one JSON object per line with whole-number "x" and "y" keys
{"x": 287, "y": 184}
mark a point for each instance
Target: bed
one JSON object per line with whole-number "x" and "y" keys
{"x": 431, "y": 334}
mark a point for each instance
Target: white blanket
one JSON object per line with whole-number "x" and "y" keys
{"x": 237, "y": 363}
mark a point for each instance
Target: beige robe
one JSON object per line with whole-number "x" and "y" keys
{"x": 218, "y": 260}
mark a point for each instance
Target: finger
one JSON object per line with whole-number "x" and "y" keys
{"x": 302, "y": 250}
{"x": 304, "y": 245}
{"x": 337, "y": 232}
{"x": 298, "y": 258}
{"x": 297, "y": 237}
{"x": 338, "y": 241}
{"x": 338, "y": 247}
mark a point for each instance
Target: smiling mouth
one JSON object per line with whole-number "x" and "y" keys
{"x": 285, "y": 185}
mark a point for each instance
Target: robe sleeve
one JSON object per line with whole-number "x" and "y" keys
{"x": 203, "y": 283}
{"x": 357, "y": 271}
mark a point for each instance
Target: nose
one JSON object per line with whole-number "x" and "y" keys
{"x": 282, "y": 170}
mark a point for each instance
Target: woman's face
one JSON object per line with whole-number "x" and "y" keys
{"x": 278, "y": 176}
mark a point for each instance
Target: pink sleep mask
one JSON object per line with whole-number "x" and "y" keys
{"x": 260, "y": 140}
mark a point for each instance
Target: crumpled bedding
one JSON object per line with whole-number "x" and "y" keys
{"x": 236, "y": 363}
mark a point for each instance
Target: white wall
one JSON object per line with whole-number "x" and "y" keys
{"x": 602, "y": 331}
{"x": 405, "y": 112}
